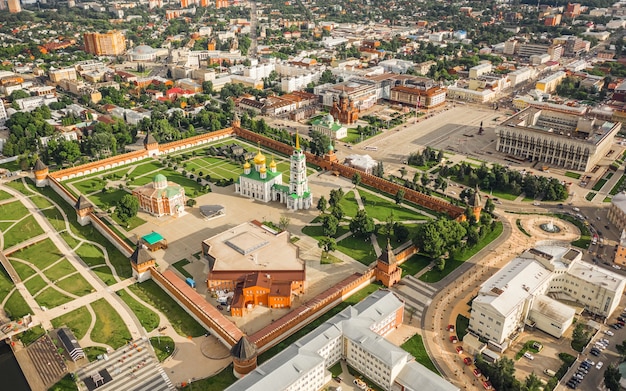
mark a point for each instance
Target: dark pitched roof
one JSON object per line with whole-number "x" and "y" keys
{"x": 68, "y": 339}
{"x": 149, "y": 139}
{"x": 83, "y": 203}
{"x": 141, "y": 255}
{"x": 388, "y": 256}
{"x": 243, "y": 349}
{"x": 39, "y": 165}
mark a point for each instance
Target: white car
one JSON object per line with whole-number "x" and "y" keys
{"x": 609, "y": 333}
{"x": 529, "y": 356}
{"x": 599, "y": 365}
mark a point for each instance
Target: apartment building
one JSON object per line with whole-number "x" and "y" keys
{"x": 14, "y": 6}
{"x": 112, "y": 43}
{"x": 56, "y": 75}
{"x": 617, "y": 211}
{"x": 556, "y": 137}
{"x": 526, "y": 292}
{"x": 356, "y": 335}
{"x": 549, "y": 83}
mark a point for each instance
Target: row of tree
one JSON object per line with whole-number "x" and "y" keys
{"x": 503, "y": 179}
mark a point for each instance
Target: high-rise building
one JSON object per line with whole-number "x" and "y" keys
{"x": 14, "y": 6}
{"x": 108, "y": 44}
{"x": 221, "y": 4}
{"x": 3, "y": 5}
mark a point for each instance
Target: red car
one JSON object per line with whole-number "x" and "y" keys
{"x": 467, "y": 361}
{"x": 477, "y": 372}
{"x": 459, "y": 349}
{"x": 451, "y": 327}
{"x": 487, "y": 385}
{"x": 453, "y": 339}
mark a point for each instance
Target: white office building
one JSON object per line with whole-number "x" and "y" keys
{"x": 526, "y": 292}
{"x": 356, "y": 335}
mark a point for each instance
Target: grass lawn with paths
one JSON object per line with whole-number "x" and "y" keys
{"x": 109, "y": 328}
{"x": 78, "y": 321}
{"x": 75, "y": 284}
{"x": 22, "y": 231}
{"x": 14, "y": 211}
{"x": 59, "y": 270}
{"x": 41, "y": 254}
{"x": 182, "y": 322}
{"x": 358, "y": 248}
{"x": 148, "y": 318}
{"x": 16, "y": 307}
{"x": 51, "y": 298}
{"x": 35, "y": 284}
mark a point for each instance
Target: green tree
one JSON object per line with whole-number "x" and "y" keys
{"x": 327, "y": 244}
{"x": 127, "y": 207}
{"x": 191, "y": 202}
{"x": 362, "y": 224}
{"x": 284, "y": 222}
{"x": 612, "y": 378}
{"x": 399, "y": 196}
{"x": 330, "y": 225}
{"x": 322, "y": 204}
{"x": 337, "y": 211}
{"x": 401, "y": 232}
{"x": 356, "y": 179}
{"x": 335, "y": 197}
{"x": 533, "y": 383}
{"x": 489, "y": 205}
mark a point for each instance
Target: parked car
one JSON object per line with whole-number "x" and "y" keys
{"x": 451, "y": 327}
{"x": 529, "y": 356}
{"x": 599, "y": 365}
{"x": 467, "y": 361}
{"x": 459, "y": 349}
{"x": 609, "y": 333}
{"x": 453, "y": 339}
{"x": 595, "y": 352}
{"x": 477, "y": 372}
{"x": 589, "y": 362}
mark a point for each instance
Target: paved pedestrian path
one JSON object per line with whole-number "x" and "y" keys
{"x": 416, "y": 294}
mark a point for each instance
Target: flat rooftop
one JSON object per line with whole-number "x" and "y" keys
{"x": 250, "y": 247}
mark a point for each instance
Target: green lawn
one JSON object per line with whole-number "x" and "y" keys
{"x": 23, "y": 270}
{"x": 51, "y": 298}
{"x": 415, "y": 346}
{"x": 78, "y": 321}
{"x": 109, "y": 328}
{"x": 606, "y": 199}
{"x": 503, "y": 195}
{"x": 92, "y": 352}
{"x": 163, "y": 347}
{"x": 585, "y": 236}
{"x": 65, "y": 384}
{"x": 599, "y": 185}
{"x": 574, "y": 175}
{"x": 590, "y": 195}
{"x": 75, "y": 284}
{"x": 88, "y": 232}
{"x": 148, "y": 318}
{"x": 41, "y": 254}
{"x": 354, "y": 299}
{"x": 145, "y": 168}
{"x": 19, "y": 186}
{"x": 348, "y": 204}
{"x": 55, "y": 218}
{"x": 462, "y": 323}
{"x": 35, "y": 284}
{"x": 414, "y": 265}
{"x": 31, "y": 335}
{"x": 22, "y": 231}
{"x": 180, "y": 267}
{"x": 90, "y": 254}
{"x": 219, "y": 382}
{"x": 380, "y": 209}
{"x": 336, "y": 369}
{"x": 107, "y": 199}
{"x": 13, "y": 211}
{"x": 105, "y": 274}
{"x": 182, "y": 322}
{"x": 69, "y": 239}
{"x": 16, "y": 307}
{"x": 358, "y": 248}
{"x": 6, "y": 285}
{"x": 89, "y": 185}
{"x": 41, "y": 202}
{"x": 5, "y": 196}
{"x": 59, "y": 270}
{"x": 618, "y": 185}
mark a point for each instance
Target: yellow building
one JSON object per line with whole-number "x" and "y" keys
{"x": 112, "y": 43}
{"x": 57, "y": 75}
{"x": 14, "y": 6}
{"x": 548, "y": 84}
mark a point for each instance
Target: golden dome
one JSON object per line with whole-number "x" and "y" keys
{"x": 263, "y": 170}
{"x": 246, "y": 164}
{"x": 272, "y": 163}
{"x": 259, "y": 159}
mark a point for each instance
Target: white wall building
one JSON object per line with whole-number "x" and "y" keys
{"x": 524, "y": 292}
{"x": 356, "y": 335}
{"x": 480, "y": 70}
{"x": 3, "y": 113}
{"x": 31, "y": 103}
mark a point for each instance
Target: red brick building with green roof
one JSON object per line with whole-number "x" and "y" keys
{"x": 161, "y": 197}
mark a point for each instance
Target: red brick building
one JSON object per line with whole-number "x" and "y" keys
{"x": 344, "y": 110}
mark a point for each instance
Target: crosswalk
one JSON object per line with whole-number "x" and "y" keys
{"x": 416, "y": 294}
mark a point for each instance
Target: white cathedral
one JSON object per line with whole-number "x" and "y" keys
{"x": 263, "y": 185}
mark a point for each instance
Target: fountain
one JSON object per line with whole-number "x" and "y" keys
{"x": 550, "y": 227}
